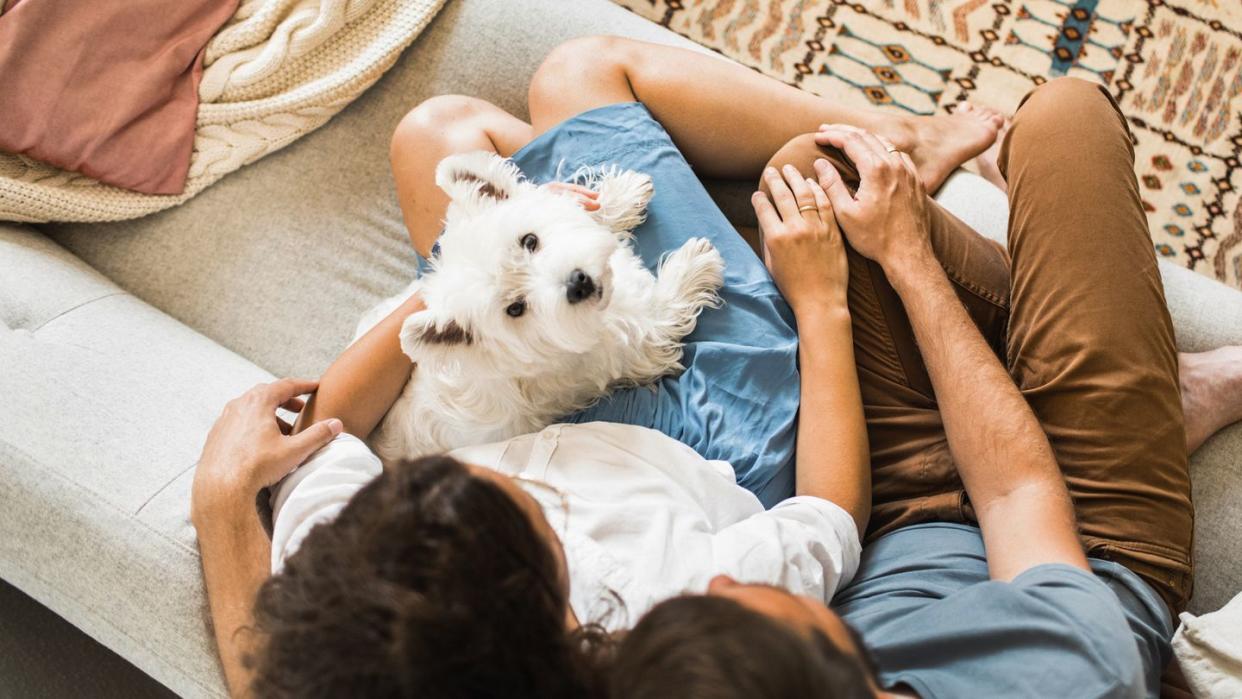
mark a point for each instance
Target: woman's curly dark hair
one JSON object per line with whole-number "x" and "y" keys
{"x": 432, "y": 582}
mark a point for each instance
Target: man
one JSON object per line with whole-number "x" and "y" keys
{"x": 1049, "y": 383}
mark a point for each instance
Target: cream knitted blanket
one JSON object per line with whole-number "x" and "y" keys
{"x": 276, "y": 71}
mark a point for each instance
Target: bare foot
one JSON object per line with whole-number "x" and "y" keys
{"x": 1211, "y": 392}
{"x": 940, "y": 144}
{"x": 986, "y": 161}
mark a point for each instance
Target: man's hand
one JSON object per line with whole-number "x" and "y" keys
{"x": 248, "y": 448}
{"x": 886, "y": 219}
{"x": 588, "y": 199}
{"x": 802, "y": 243}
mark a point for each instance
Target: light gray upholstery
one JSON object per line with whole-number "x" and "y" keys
{"x": 119, "y": 343}
{"x": 105, "y": 405}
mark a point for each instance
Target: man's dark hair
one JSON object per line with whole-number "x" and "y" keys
{"x": 432, "y": 582}
{"x": 704, "y": 647}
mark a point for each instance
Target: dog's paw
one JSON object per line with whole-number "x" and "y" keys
{"x": 623, "y": 197}
{"x": 694, "y": 272}
{"x": 687, "y": 283}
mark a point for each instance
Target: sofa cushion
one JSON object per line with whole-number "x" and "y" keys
{"x": 32, "y": 261}
{"x": 106, "y": 405}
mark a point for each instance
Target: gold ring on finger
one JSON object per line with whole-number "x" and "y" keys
{"x": 807, "y": 207}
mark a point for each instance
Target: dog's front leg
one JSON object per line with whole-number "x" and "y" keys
{"x": 687, "y": 282}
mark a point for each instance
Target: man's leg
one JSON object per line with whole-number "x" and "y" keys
{"x": 435, "y": 129}
{"x": 728, "y": 120}
{"x": 1090, "y": 339}
{"x": 913, "y": 475}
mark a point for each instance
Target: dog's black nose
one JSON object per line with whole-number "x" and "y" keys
{"x": 580, "y": 287}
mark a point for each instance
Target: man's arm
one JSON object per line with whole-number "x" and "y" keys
{"x": 1002, "y": 454}
{"x": 245, "y": 452}
{"x": 806, "y": 254}
{"x": 236, "y": 556}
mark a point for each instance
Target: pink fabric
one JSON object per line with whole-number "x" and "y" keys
{"x": 108, "y": 88}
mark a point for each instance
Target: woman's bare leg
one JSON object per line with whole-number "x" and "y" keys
{"x": 728, "y": 120}
{"x": 435, "y": 129}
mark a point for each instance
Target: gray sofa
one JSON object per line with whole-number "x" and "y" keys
{"x": 119, "y": 343}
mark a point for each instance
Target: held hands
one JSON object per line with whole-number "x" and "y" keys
{"x": 249, "y": 448}
{"x": 886, "y": 218}
{"x": 802, "y": 243}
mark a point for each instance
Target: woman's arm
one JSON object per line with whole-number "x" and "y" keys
{"x": 245, "y": 452}
{"x": 806, "y": 254}
{"x": 363, "y": 383}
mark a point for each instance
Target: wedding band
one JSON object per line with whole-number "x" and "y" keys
{"x": 808, "y": 207}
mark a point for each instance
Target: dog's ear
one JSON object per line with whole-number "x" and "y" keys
{"x": 423, "y": 332}
{"x": 479, "y": 179}
{"x": 623, "y": 197}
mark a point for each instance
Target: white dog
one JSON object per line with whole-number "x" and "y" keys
{"x": 535, "y": 308}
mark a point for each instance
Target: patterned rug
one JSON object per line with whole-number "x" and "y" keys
{"x": 1175, "y": 67}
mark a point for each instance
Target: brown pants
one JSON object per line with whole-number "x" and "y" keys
{"x": 1076, "y": 312}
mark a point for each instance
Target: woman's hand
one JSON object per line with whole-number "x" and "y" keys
{"x": 802, "y": 243}
{"x": 588, "y": 199}
{"x": 886, "y": 219}
{"x": 248, "y": 448}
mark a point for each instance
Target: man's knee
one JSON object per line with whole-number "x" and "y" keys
{"x": 802, "y": 151}
{"x": 1068, "y": 113}
{"x": 439, "y": 118}
{"x": 579, "y": 64}
{"x": 1067, "y": 108}
{"x": 1070, "y": 95}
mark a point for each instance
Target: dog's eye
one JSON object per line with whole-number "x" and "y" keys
{"x": 517, "y": 308}
{"x": 530, "y": 241}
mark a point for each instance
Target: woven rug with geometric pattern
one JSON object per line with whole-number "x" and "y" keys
{"x": 1175, "y": 67}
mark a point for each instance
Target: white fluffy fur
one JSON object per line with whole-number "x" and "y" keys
{"x": 516, "y": 375}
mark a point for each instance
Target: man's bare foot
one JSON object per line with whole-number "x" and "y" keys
{"x": 987, "y": 160}
{"x": 940, "y": 144}
{"x": 1211, "y": 392}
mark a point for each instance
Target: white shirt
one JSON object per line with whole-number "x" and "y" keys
{"x": 648, "y": 518}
